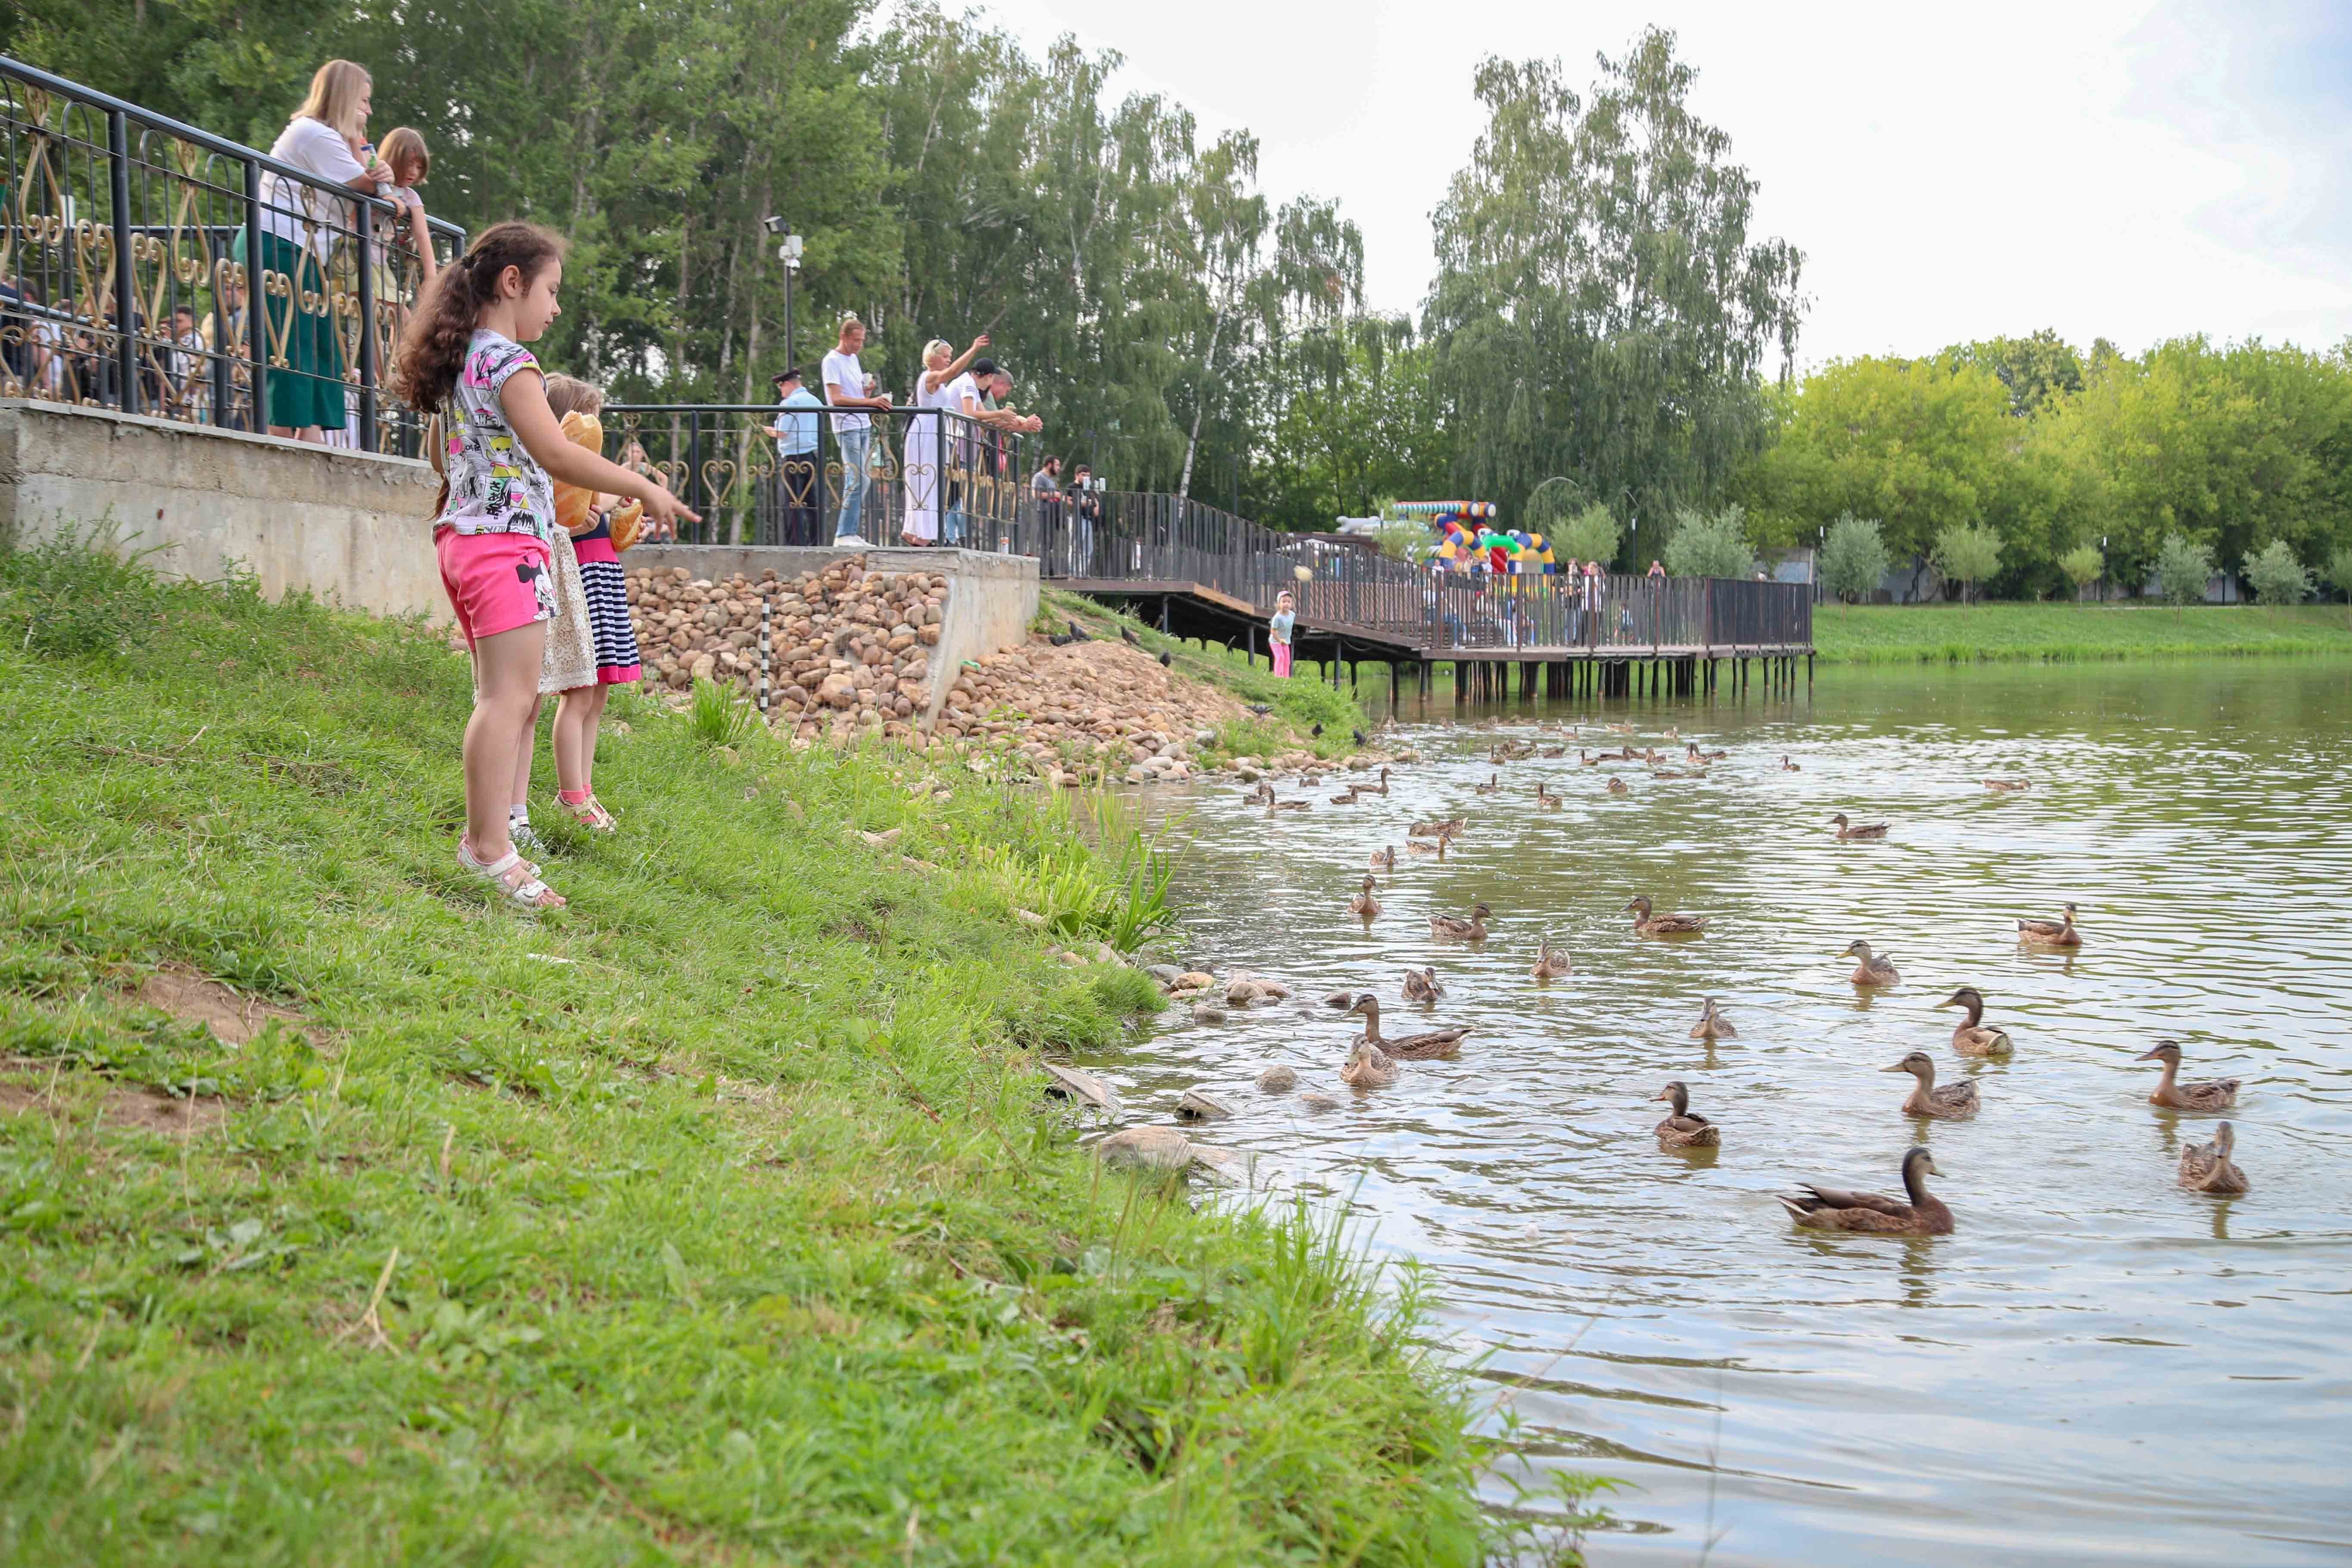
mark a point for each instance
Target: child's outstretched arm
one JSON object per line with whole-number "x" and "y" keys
{"x": 524, "y": 399}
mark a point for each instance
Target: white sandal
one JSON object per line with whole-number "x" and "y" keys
{"x": 517, "y": 878}
{"x": 589, "y": 813}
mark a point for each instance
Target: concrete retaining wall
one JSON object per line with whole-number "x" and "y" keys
{"x": 348, "y": 526}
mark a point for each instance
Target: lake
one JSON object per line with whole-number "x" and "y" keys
{"x": 2097, "y": 1366}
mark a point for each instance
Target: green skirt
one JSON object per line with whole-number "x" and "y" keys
{"x": 308, "y": 389}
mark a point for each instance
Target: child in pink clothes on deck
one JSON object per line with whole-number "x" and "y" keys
{"x": 1277, "y": 633}
{"x": 463, "y": 353}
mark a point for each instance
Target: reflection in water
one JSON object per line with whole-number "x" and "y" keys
{"x": 2042, "y": 1385}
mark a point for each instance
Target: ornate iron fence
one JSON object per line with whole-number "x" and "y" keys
{"x": 131, "y": 247}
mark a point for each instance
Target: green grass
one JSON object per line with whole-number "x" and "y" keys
{"x": 717, "y": 1218}
{"x": 1908, "y": 634}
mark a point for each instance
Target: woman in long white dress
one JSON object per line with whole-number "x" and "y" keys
{"x": 925, "y": 462}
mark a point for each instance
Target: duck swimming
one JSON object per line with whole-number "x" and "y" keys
{"x": 1551, "y": 962}
{"x": 2208, "y": 1168}
{"x": 1366, "y": 1068}
{"x": 1617, "y": 786}
{"x": 1712, "y": 1024}
{"x": 1680, "y": 1130}
{"x": 1493, "y": 784}
{"x": 1363, "y": 904}
{"x": 1546, "y": 800}
{"x": 1875, "y": 969}
{"x": 1648, "y": 924}
{"x": 1846, "y": 830}
{"x": 1788, "y": 767}
{"x": 1421, "y": 985}
{"x": 2059, "y": 932}
{"x": 1947, "y": 1101}
{"x": 1455, "y": 926}
{"x": 1976, "y": 1038}
{"x": 1836, "y": 1208}
{"x": 2214, "y": 1094}
{"x": 1384, "y": 859}
{"x": 1446, "y": 1042}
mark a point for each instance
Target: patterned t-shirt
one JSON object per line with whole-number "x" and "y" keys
{"x": 495, "y": 487}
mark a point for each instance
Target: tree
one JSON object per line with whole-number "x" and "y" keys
{"x": 1601, "y": 309}
{"x": 1967, "y": 556}
{"x": 1853, "y": 557}
{"x": 2036, "y": 369}
{"x": 2277, "y": 576}
{"x": 2339, "y": 573}
{"x": 2183, "y": 569}
{"x": 1709, "y": 544}
{"x": 2083, "y": 566}
{"x": 1590, "y": 535}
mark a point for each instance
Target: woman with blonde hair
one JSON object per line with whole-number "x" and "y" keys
{"x": 928, "y": 461}
{"x": 299, "y": 226}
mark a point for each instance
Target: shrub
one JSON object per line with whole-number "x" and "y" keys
{"x": 2339, "y": 573}
{"x": 1853, "y": 557}
{"x": 2182, "y": 570}
{"x": 1967, "y": 555}
{"x": 2278, "y": 578}
{"x": 68, "y": 596}
{"x": 2083, "y": 566}
{"x": 1590, "y": 535}
{"x": 1704, "y": 546}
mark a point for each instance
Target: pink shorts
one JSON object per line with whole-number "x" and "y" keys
{"x": 496, "y": 582}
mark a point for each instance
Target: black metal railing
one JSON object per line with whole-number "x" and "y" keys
{"x": 130, "y": 248}
{"x": 761, "y": 474}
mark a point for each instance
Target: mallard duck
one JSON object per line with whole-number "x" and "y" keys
{"x": 1947, "y": 1102}
{"x": 1584, "y": 760}
{"x": 1788, "y": 767}
{"x": 1291, "y": 806}
{"x": 1712, "y": 1024}
{"x": 1494, "y": 782}
{"x": 1446, "y": 829}
{"x": 1836, "y": 1208}
{"x": 1472, "y": 929}
{"x": 1648, "y": 924}
{"x": 1551, "y": 962}
{"x": 1384, "y": 859}
{"x": 1421, "y": 985}
{"x": 2059, "y": 932}
{"x": 1618, "y": 786}
{"x": 1546, "y": 800}
{"x": 1676, "y": 774}
{"x": 1426, "y": 847}
{"x": 1691, "y": 753}
{"x": 1366, "y": 1068}
{"x": 2207, "y": 1167}
{"x": 2214, "y": 1094}
{"x": 1875, "y": 968}
{"x": 2003, "y": 787}
{"x": 1380, "y": 788}
{"x": 1411, "y": 1048}
{"x": 1680, "y": 1130}
{"x": 1363, "y": 904}
{"x": 1858, "y": 830}
{"x": 1263, "y": 794}
{"x": 1976, "y": 1038}
{"x": 1621, "y": 728}
{"x": 1349, "y": 798}
{"x": 1552, "y": 753}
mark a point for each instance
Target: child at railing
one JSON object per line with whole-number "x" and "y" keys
{"x": 599, "y": 527}
{"x": 1277, "y": 633}
{"x": 463, "y": 353}
{"x": 405, "y": 151}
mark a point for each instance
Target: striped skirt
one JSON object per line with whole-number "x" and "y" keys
{"x": 618, "y": 662}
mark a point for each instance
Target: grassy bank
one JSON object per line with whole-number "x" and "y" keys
{"x": 1911, "y": 634}
{"x": 717, "y": 1218}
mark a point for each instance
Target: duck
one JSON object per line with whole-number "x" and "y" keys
{"x": 2060, "y": 933}
{"x": 1349, "y": 798}
{"x": 1680, "y": 1130}
{"x": 2214, "y": 1094}
{"x": 1946, "y": 1102}
{"x": 1263, "y": 794}
{"x": 1691, "y": 753}
{"x": 2004, "y": 786}
{"x": 1618, "y": 786}
{"x": 1380, "y": 788}
{"x": 1788, "y": 767}
{"x": 1343, "y": 1000}
{"x": 1445, "y": 1042}
{"x": 1552, "y": 753}
{"x": 1426, "y": 847}
{"x": 1858, "y": 830}
{"x": 1976, "y": 1038}
{"x": 1421, "y": 985}
{"x": 1676, "y": 774}
{"x": 1472, "y": 929}
{"x": 1648, "y": 924}
{"x": 1384, "y": 859}
{"x": 1364, "y": 903}
{"x": 1546, "y": 800}
{"x": 1494, "y": 782}
{"x": 1292, "y": 806}
{"x": 1583, "y": 760}
{"x": 1673, "y": 733}
{"x": 1875, "y": 968}
{"x": 1621, "y": 728}
{"x": 1712, "y": 1024}
{"x": 1446, "y": 829}
{"x": 1551, "y": 962}
{"x": 1836, "y": 1208}
{"x": 2208, "y": 1168}
{"x": 1366, "y": 1068}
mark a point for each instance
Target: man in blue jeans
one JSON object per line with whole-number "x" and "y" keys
{"x": 845, "y": 387}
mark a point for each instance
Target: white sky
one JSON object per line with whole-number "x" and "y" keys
{"x": 2135, "y": 170}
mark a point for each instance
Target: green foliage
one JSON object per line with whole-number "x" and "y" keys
{"x": 1853, "y": 558}
{"x": 2184, "y": 569}
{"x": 2083, "y": 566}
{"x": 1590, "y": 535}
{"x": 2036, "y": 369}
{"x": 73, "y": 594}
{"x": 719, "y": 717}
{"x": 2339, "y": 574}
{"x": 2278, "y": 578}
{"x": 1967, "y": 555}
{"x": 1710, "y": 544}
{"x": 1946, "y": 632}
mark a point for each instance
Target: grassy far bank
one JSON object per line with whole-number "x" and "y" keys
{"x": 715, "y": 1218}
{"x": 1908, "y": 634}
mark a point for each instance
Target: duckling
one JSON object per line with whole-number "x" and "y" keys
{"x": 2208, "y": 1168}
{"x": 1551, "y": 962}
{"x": 1446, "y": 1042}
{"x": 2050, "y": 933}
{"x": 1858, "y": 830}
{"x": 2214, "y": 1094}
{"x": 1976, "y": 1038}
{"x": 1493, "y": 784}
{"x": 1712, "y": 1024}
{"x": 1619, "y": 786}
{"x": 1546, "y": 800}
{"x": 1947, "y": 1102}
{"x": 1366, "y": 1068}
{"x": 1648, "y": 924}
{"x": 1680, "y": 1130}
{"x": 1472, "y": 929}
{"x": 1363, "y": 904}
{"x": 1788, "y": 767}
{"x": 2004, "y": 786}
{"x": 1836, "y": 1208}
{"x": 1421, "y": 985}
{"x": 1875, "y": 968}
{"x": 1384, "y": 859}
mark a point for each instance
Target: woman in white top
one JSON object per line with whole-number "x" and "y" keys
{"x": 298, "y": 228}
{"x": 927, "y": 463}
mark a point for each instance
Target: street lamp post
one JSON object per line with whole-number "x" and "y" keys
{"x": 788, "y": 251}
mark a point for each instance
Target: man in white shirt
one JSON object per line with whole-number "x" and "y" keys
{"x": 845, "y": 387}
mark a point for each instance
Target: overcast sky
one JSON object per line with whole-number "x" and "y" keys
{"x": 2137, "y": 170}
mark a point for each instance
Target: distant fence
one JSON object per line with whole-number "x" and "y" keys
{"x": 129, "y": 247}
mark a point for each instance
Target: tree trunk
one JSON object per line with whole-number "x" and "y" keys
{"x": 1200, "y": 405}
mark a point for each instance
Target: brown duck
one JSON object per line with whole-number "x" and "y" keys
{"x": 1493, "y": 784}
{"x": 1976, "y": 1038}
{"x": 1868, "y": 1214}
{"x": 1384, "y": 859}
{"x": 1411, "y": 1048}
{"x": 1420, "y": 985}
{"x": 1874, "y": 968}
{"x": 1363, "y": 904}
{"x": 1648, "y": 924}
{"x": 1455, "y": 926}
{"x": 1680, "y": 1130}
{"x": 1551, "y": 962}
{"x": 2208, "y": 1168}
{"x": 1546, "y": 800}
{"x": 1788, "y": 767}
{"x": 1366, "y": 1068}
{"x": 2060, "y": 933}
{"x": 2214, "y": 1094}
{"x": 1846, "y": 830}
{"x": 1618, "y": 786}
{"x": 1945, "y": 1101}
{"x": 1712, "y": 1024}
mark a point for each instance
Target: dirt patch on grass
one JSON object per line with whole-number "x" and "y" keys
{"x": 120, "y": 1107}
{"x": 234, "y": 1018}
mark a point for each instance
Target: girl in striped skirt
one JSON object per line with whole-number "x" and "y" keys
{"x": 591, "y": 520}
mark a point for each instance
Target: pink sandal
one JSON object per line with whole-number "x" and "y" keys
{"x": 589, "y": 813}
{"x": 515, "y": 877}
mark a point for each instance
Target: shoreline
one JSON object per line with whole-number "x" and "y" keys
{"x": 2059, "y": 634}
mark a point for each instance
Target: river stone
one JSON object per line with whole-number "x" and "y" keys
{"x": 1208, "y": 1012}
{"x": 1198, "y": 1106}
{"x": 1276, "y": 1079}
{"x": 1318, "y": 1103}
{"x": 1238, "y": 1166}
{"x": 1146, "y": 1148}
{"x": 1072, "y": 1084}
{"x": 1194, "y": 979}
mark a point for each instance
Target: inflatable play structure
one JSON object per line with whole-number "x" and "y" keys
{"x": 1466, "y": 536}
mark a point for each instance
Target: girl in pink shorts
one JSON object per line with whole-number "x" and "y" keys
{"x": 463, "y": 353}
